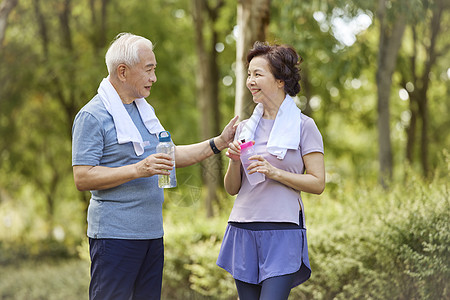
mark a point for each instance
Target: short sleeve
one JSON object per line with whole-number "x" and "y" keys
{"x": 87, "y": 140}
{"x": 310, "y": 137}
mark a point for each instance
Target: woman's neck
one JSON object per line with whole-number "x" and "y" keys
{"x": 271, "y": 108}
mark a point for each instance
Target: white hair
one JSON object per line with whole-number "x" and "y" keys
{"x": 124, "y": 49}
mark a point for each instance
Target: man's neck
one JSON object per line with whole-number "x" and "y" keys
{"x": 117, "y": 84}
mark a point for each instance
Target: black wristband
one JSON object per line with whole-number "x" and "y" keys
{"x": 213, "y": 146}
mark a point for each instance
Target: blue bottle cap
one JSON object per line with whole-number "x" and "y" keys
{"x": 164, "y": 136}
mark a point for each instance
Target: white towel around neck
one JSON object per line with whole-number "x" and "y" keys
{"x": 125, "y": 128}
{"x": 285, "y": 132}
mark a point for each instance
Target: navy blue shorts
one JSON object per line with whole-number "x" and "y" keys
{"x": 126, "y": 269}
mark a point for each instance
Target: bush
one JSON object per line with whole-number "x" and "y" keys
{"x": 394, "y": 245}
{"x": 192, "y": 244}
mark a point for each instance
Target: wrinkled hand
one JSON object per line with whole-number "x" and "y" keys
{"x": 155, "y": 164}
{"x": 234, "y": 150}
{"x": 227, "y": 134}
{"x": 261, "y": 165}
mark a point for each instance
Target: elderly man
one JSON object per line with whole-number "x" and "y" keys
{"x": 114, "y": 156}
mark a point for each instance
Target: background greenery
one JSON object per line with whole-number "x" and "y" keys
{"x": 366, "y": 241}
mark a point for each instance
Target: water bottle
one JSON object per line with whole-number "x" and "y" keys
{"x": 248, "y": 150}
{"x": 166, "y": 146}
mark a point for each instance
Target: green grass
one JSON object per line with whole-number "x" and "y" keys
{"x": 68, "y": 280}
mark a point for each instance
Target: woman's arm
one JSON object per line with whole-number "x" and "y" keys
{"x": 233, "y": 178}
{"x": 313, "y": 181}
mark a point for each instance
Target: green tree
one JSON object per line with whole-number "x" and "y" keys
{"x": 341, "y": 78}
{"x": 52, "y": 60}
{"x": 336, "y": 79}
{"x": 428, "y": 45}
{"x": 60, "y": 61}
{"x": 6, "y": 6}
{"x": 392, "y": 19}
{"x": 205, "y": 16}
{"x": 253, "y": 18}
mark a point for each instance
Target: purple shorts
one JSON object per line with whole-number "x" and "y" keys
{"x": 255, "y": 255}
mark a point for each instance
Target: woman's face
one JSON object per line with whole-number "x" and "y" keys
{"x": 261, "y": 82}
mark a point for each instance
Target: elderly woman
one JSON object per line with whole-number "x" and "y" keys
{"x": 265, "y": 247}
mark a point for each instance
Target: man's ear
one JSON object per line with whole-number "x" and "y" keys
{"x": 122, "y": 72}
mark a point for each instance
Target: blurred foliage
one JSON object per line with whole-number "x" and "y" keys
{"x": 45, "y": 280}
{"x": 192, "y": 243}
{"x": 365, "y": 242}
{"x": 378, "y": 245}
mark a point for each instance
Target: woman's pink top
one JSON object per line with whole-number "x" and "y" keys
{"x": 272, "y": 201}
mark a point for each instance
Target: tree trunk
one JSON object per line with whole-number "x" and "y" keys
{"x": 207, "y": 92}
{"x": 307, "y": 92}
{"x": 253, "y": 18}
{"x": 64, "y": 13}
{"x": 419, "y": 98}
{"x": 389, "y": 45}
{"x": 43, "y": 31}
{"x": 6, "y": 7}
{"x": 98, "y": 20}
{"x": 413, "y": 102}
{"x": 411, "y": 130}
{"x": 435, "y": 29}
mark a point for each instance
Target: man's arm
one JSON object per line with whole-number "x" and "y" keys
{"x": 187, "y": 155}
{"x": 88, "y": 178}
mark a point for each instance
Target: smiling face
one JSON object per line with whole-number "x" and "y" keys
{"x": 262, "y": 84}
{"x": 140, "y": 77}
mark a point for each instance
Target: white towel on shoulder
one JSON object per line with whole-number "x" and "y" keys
{"x": 125, "y": 128}
{"x": 285, "y": 133}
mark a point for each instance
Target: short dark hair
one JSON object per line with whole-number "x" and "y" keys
{"x": 284, "y": 64}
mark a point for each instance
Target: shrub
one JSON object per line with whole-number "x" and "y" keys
{"x": 394, "y": 245}
{"x": 192, "y": 244}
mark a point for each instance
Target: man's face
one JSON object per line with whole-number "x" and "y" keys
{"x": 141, "y": 76}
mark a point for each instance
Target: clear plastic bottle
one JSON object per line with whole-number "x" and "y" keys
{"x": 248, "y": 150}
{"x": 166, "y": 146}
